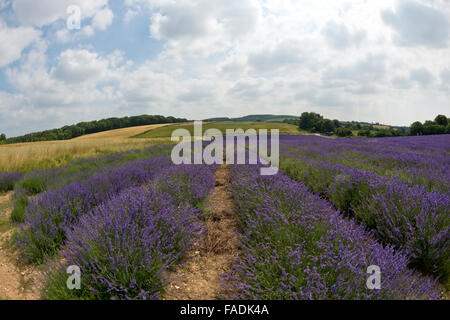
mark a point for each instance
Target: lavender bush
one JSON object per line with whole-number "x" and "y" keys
{"x": 48, "y": 216}
{"x": 406, "y": 216}
{"x": 123, "y": 246}
{"x": 412, "y": 219}
{"x": 416, "y": 160}
{"x": 8, "y": 180}
{"x": 38, "y": 181}
{"x": 295, "y": 246}
{"x": 83, "y": 168}
{"x": 186, "y": 183}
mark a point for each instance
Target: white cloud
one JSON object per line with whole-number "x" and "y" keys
{"x": 43, "y": 12}
{"x": 203, "y": 27}
{"x": 372, "y": 68}
{"x": 230, "y": 58}
{"x": 103, "y": 19}
{"x": 14, "y": 41}
{"x": 418, "y": 24}
{"x": 421, "y": 76}
{"x": 75, "y": 66}
{"x": 339, "y": 37}
{"x": 47, "y": 12}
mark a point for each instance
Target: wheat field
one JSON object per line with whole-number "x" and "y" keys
{"x": 47, "y": 154}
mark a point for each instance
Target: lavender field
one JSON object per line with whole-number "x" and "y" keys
{"x": 336, "y": 207}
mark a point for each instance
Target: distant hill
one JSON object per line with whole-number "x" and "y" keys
{"x": 254, "y": 118}
{"x": 376, "y": 125}
{"x": 84, "y": 128}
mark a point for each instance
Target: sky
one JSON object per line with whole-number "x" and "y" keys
{"x": 381, "y": 61}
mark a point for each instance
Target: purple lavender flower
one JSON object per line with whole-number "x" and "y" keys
{"x": 8, "y": 180}
{"x": 296, "y": 246}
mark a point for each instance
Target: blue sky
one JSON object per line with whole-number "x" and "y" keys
{"x": 375, "y": 60}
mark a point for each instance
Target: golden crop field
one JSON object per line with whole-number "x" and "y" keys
{"x": 47, "y": 154}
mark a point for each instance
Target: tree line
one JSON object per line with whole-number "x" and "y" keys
{"x": 314, "y": 122}
{"x": 440, "y": 125}
{"x": 83, "y": 128}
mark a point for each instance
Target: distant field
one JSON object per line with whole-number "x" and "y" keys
{"x": 48, "y": 154}
{"x": 121, "y": 133}
{"x": 166, "y": 132}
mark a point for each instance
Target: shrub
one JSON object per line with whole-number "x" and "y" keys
{"x": 344, "y": 132}
{"x": 295, "y": 246}
{"x": 8, "y": 180}
{"x": 123, "y": 246}
{"x": 48, "y": 216}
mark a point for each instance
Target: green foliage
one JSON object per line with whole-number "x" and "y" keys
{"x": 432, "y": 128}
{"x": 344, "y": 132}
{"x": 441, "y": 120}
{"x": 55, "y": 288}
{"x": 255, "y": 118}
{"x": 2, "y": 137}
{"x": 314, "y": 122}
{"x": 294, "y": 122}
{"x": 34, "y": 184}
{"x": 438, "y": 126}
{"x": 364, "y": 133}
{"x": 167, "y": 131}
{"x": 20, "y": 201}
{"x": 309, "y": 121}
{"x": 416, "y": 128}
{"x": 325, "y": 126}
{"x": 83, "y": 128}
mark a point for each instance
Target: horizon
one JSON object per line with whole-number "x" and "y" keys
{"x": 230, "y": 119}
{"x": 384, "y": 62}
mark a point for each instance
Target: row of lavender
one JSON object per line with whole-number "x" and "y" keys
{"x": 8, "y": 180}
{"x": 122, "y": 227}
{"x": 417, "y": 160}
{"x": 35, "y": 182}
{"x": 50, "y": 214}
{"x": 421, "y": 160}
{"x": 296, "y": 246}
{"x": 124, "y": 245}
{"x": 41, "y": 180}
{"x": 404, "y": 215}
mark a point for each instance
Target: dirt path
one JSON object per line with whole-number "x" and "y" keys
{"x": 16, "y": 282}
{"x": 200, "y": 276}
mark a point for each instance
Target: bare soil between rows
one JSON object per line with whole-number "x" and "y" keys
{"x": 199, "y": 277}
{"x": 17, "y": 282}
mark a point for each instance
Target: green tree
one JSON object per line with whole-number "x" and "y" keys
{"x": 430, "y": 127}
{"x": 364, "y": 133}
{"x": 344, "y": 132}
{"x": 69, "y": 132}
{"x": 416, "y": 128}
{"x": 327, "y": 126}
{"x": 309, "y": 120}
{"x": 2, "y": 137}
{"x": 441, "y": 120}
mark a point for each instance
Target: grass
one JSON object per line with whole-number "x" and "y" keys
{"x": 166, "y": 132}
{"x": 5, "y": 223}
{"x": 49, "y": 154}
